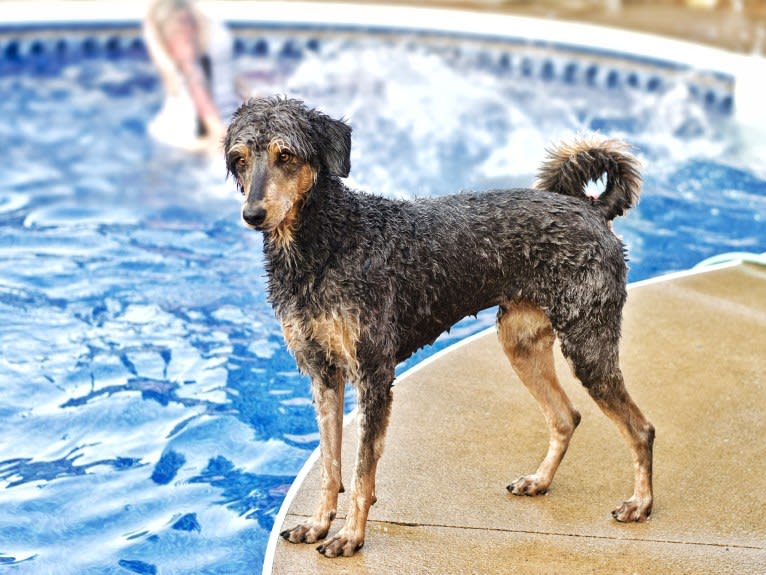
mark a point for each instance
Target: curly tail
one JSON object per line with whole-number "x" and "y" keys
{"x": 571, "y": 165}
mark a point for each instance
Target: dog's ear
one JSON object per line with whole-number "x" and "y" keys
{"x": 334, "y": 139}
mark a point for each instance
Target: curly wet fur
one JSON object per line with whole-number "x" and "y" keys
{"x": 362, "y": 281}
{"x": 571, "y": 165}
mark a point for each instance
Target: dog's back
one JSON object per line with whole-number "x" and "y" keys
{"x": 472, "y": 251}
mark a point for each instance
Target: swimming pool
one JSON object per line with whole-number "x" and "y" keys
{"x": 152, "y": 420}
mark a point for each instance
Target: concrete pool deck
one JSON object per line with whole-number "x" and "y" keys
{"x": 463, "y": 427}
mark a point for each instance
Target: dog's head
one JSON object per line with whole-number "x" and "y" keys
{"x": 276, "y": 148}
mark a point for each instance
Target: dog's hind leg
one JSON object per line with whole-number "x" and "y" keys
{"x": 328, "y": 398}
{"x": 600, "y": 373}
{"x": 639, "y": 434}
{"x": 374, "y": 403}
{"x": 527, "y": 338}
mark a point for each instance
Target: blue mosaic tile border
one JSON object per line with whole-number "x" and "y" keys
{"x": 45, "y": 49}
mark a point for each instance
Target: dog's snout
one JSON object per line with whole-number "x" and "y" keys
{"x": 254, "y": 215}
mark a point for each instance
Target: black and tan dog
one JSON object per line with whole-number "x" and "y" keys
{"x": 359, "y": 282}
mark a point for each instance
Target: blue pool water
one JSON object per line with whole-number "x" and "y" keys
{"x": 151, "y": 418}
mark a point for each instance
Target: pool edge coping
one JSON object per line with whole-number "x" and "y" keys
{"x": 381, "y": 17}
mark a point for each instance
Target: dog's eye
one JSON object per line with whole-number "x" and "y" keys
{"x": 237, "y": 164}
{"x": 284, "y": 157}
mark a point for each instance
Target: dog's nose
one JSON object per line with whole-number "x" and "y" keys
{"x": 254, "y": 216}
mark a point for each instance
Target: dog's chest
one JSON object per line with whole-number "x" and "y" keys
{"x": 334, "y": 334}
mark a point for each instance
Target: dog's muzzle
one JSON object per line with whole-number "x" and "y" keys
{"x": 254, "y": 215}
{"x": 253, "y": 210}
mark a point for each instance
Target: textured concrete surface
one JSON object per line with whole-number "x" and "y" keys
{"x": 463, "y": 427}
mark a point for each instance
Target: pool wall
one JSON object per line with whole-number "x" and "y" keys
{"x": 43, "y": 36}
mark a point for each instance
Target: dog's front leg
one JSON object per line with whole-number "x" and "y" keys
{"x": 328, "y": 399}
{"x": 374, "y": 404}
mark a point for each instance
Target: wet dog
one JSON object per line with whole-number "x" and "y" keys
{"x": 359, "y": 282}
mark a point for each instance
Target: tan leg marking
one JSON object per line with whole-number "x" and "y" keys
{"x": 350, "y": 538}
{"x": 336, "y": 335}
{"x": 527, "y": 338}
{"x": 329, "y": 407}
{"x": 638, "y": 432}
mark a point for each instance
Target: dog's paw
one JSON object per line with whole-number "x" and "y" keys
{"x": 633, "y": 510}
{"x": 340, "y": 546}
{"x": 304, "y": 533}
{"x": 528, "y": 485}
